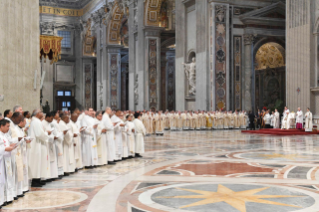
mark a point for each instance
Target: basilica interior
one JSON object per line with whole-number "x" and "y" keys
{"x": 172, "y": 55}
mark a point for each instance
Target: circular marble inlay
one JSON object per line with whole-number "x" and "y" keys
{"x": 76, "y": 183}
{"x": 47, "y": 199}
{"x": 221, "y": 92}
{"x": 280, "y": 156}
{"x": 220, "y": 40}
{"x": 225, "y": 197}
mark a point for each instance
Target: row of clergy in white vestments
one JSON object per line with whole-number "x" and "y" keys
{"x": 156, "y": 123}
{"x": 289, "y": 119}
{"x": 46, "y": 147}
{"x": 297, "y": 120}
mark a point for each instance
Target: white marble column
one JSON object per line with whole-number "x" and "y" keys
{"x": 248, "y": 41}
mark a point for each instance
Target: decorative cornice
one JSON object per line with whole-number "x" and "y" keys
{"x": 47, "y": 28}
{"x": 72, "y": 4}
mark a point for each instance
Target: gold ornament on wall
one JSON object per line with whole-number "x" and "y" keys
{"x": 269, "y": 55}
{"x": 50, "y": 47}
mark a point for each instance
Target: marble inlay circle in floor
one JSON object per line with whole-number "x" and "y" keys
{"x": 47, "y": 199}
{"x": 280, "y": 156}
{"x": 224, "y": 197}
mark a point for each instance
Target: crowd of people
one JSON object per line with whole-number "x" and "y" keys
{"x": 156, "y": 123}
{"x": 38, "y": 148}
{"x": 289, "y": 120}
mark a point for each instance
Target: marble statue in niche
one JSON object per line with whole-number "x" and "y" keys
{"x": 190, "y": 71}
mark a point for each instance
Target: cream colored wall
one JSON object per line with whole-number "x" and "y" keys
{"x": 19, "y": 53}
{"x": 299, "y": 41}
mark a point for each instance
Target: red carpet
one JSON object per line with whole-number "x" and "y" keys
{"x": 280, "y": 132}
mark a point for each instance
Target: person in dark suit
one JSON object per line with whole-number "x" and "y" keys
{"x": 251, "y": 118}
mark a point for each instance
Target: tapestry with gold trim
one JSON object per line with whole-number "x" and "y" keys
{"x": 50, "y": 47}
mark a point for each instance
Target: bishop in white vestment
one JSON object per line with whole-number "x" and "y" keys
{"x": 299, "y": 119}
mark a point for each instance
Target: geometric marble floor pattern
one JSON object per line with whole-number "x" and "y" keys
{"x": 202, "y": 171}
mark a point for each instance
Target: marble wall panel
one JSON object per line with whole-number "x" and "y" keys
{"x": 170, "y": 67}
{"x": 152, "y": 62}
{"x": 88, "y": 85}
{"x": 191, "y": 31}
{"x": 237, "y": 72}
{"x": 114, "y": 80}
{"x": 19, "y": 47}
{"x": 219, "y": 54}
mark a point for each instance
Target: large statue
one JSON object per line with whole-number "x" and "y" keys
{"x": 190, "y": 71}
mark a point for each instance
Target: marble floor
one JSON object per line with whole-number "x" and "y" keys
{"x": 202, "y": 171}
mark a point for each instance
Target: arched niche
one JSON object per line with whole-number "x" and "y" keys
{"x": 190, "y": 55}
{"x": 270, "y": 55}
{"x": 270, "y": 74}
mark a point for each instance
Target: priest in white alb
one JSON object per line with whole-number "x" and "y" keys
{"x": 110, "y": 138}
{"x": 36, "y": 158}
{"x": 140, "y": 132}
{"x": 308, "y": 121}
{"x": 58, "y": 135}
{"x": 130, "y": 135}
{"x": 89, "y": 145}
{"x": 76, "y": 131}
{"x": 118, "y": 129}
{"x": 5, "y": 161}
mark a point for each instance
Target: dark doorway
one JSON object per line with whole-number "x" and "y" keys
{"x": 65, "y": 100}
